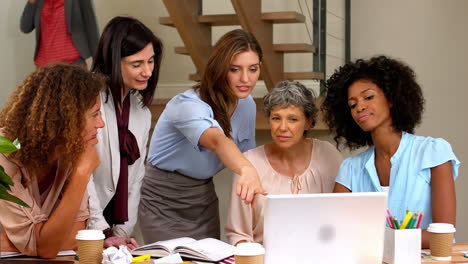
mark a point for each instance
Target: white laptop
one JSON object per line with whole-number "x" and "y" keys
{"x": 325, "y": 228}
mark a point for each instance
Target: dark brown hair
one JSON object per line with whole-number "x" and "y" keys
{"x": 122, "y": 37}
{"x": 214, "y": 88}
{"x": 46, "y": 113}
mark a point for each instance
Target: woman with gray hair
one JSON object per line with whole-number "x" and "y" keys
{"x": 291, "y": 164}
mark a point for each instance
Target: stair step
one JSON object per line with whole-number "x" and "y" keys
{"x": 219, "y": 20}
{"x": 303, "y": 76}
{"x": 232, "y": 19}
{"x": 286, "y": 76}
{"x": 283, "y": 17}
{"x": 289, "y": 48}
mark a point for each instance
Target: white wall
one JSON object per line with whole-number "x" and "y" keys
{"x": 430, "y": 35}
{"x": 16, "y": 48}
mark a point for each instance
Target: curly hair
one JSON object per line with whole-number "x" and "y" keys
{"x": 46, "y": 114}
{"x": 397, "y": 81}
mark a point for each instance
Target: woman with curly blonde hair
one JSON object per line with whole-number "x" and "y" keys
{"x": 55, "y": 114}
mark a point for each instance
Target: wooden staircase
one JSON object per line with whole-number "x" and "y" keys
{"x": 195, "y": 31}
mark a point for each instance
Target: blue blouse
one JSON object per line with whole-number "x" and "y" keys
{"x": 175, "y": 142}
{"x": 410, "y": 174}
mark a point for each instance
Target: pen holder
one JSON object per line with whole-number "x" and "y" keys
{"x": 402, "y": 246}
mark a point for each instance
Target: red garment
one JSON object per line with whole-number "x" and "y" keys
{"x": 116, "y": 211}
{"x": 55, "y": 44}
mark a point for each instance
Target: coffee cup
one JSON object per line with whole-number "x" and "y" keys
{"x": 249, "y": 253}
{"x": 441, "y": 240}
{"x": 90, "y": 246}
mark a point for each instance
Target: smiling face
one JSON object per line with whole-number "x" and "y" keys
{"x": 369, "y": 106}
{"x": 243, "y": 73}
{"x": 93, "y": 121}
{"x": 138, "y": 68}
{"x": 287, "y": 125}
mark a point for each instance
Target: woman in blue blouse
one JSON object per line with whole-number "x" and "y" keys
{"x": 377, "y": 103}
{"x": 200, "y": 132}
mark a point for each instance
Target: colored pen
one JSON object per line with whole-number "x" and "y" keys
{"x": 389, "y": 222}
{"x": 141, "y": 258}
{"x": 406, "y": 220}
{"x": 395, "y": 221}
{"x": 412, "y": 221}
{"x": 421, "y": 215}
{"x": 389, "y": 212}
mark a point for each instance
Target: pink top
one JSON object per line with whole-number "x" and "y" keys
{"x": 19, "y": 222}
{"x": 244, "y": 223}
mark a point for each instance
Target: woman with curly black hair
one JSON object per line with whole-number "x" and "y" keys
{"x": 377, "y": 103}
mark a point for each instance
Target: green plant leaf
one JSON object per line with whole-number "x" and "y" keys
{"x": 5, "y": 180}
{"x": 4, "y": 195}
{"x": 8, "y": 197}
{"x": 6, "y": 146}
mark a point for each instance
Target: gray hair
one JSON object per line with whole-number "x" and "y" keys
{"x": 287, "y": 93}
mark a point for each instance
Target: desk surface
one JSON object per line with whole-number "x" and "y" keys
{"x": 457, "y": 257}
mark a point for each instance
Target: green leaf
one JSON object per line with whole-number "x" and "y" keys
{"x": 8, "y": 197}
{"x": 4, "y": 195}
{"x": 5, "y": 180}
{"x": 6, "y": 146}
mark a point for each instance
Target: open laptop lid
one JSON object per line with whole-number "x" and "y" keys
{"x": 325, "y": 228}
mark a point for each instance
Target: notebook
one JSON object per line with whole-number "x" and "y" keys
{"x": 325, "y": 228}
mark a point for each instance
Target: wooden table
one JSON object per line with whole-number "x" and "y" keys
{"x": 35, "y": 260}
{"x": 457, "y": 257}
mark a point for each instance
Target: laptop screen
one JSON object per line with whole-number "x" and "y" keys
{"x": 325, "y": 228}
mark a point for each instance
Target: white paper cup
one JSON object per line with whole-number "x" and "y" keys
{"x": 90, "y": 246}
{"x": 441, "y": 240}
{"x": 249, "y": 253}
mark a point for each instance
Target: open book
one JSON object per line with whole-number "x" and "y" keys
{"x": 208, "y": 249}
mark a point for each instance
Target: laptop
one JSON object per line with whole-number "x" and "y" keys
{"x": 325, "y": 228}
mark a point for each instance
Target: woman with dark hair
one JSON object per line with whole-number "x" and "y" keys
{"x": 377, "y": 103}
{"x": 55, "y": 115}
{"x": 201, "y": 131}
{"x": 291, "y": 164}
{"x": 129, "y": 54}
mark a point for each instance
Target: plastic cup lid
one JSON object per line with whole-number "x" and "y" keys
{"x": 441, "y": 228}
{"x": 249, "y": 249}
{"x": 90, "y": 235}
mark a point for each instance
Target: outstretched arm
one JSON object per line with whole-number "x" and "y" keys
{"x": 249, "y": 183}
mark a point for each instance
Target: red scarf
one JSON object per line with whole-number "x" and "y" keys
{"x": 116, "y": 211}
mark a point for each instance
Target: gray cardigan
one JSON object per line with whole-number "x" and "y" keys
{"x": 80, "y": 19}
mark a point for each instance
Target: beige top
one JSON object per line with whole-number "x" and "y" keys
{"x": 19, "y": 222}
{"x": 244, "y": 223}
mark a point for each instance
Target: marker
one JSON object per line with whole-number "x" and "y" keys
{"x": 141, "y": 258}
{"x": 406, "y": 220}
